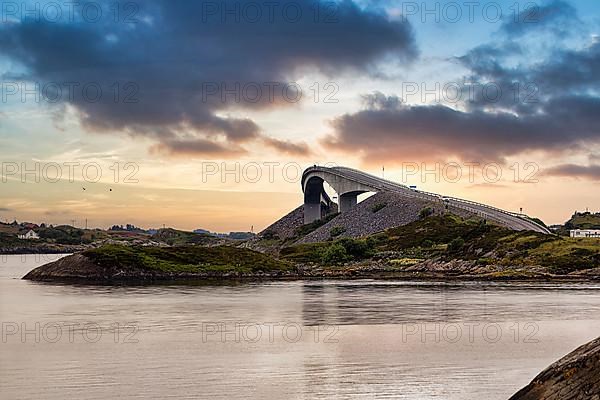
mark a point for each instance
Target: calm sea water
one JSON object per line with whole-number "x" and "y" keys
{"x": 284, "y": 340}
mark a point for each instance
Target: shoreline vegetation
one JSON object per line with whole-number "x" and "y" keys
{"x": 434, "y": 247}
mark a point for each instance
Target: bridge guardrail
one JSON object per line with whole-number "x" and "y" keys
{"x": 522, "y": 217}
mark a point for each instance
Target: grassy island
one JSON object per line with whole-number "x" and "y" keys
{"x": 117, "y": 263}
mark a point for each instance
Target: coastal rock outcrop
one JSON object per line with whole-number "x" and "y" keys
{"x": 576, "y": 376}
{"x": 131, "y": 264}
{"x": 78, "y": 267}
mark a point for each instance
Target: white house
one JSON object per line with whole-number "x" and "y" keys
{"x": 585, "y": 233}
{"x": 31, "y": 235}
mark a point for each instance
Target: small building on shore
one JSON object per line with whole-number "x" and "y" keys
{"x": 30, "y": 235}
{"x": 584, "y": 233}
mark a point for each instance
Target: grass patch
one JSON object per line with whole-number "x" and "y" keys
{"x": 328, "y": 253}
{"x": 565, "y": 255}
{"x": 174, "y": 237}
{"x": 304, "y": 253}
{"x": 433, "y": 230}
{"x": 440, "y": 236}
{"x": 336, "y": 231}
{"x": 185, "y": 259}
{"x": 425, "y": 212}
{"x": 406, "y": 262}
{"x": 449, "y": 237}
{"x": 378, "y": 207}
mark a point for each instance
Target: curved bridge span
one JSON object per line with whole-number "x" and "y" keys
{"x": 349, "y": 183}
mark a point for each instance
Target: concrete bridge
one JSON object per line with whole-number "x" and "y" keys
{"x": 349, "y": 183}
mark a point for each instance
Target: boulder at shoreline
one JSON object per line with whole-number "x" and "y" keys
{"x": 576, "y": 376}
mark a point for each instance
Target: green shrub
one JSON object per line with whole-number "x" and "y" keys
{"x": 313, "y": 226}
{"x": 425, "y": 212}
{"x": 357, "y": 248}
{"x": 378, "y": 207}
{"x": 304, "y": 253}
{"x": 539, "y": 221}
{"x": 64, "y": 235}
{"x": 484, "y": 261}
{"x": 270, "y": 235}
{"x": 336, "y": 231}
{"x": 456, "y": 244}
{"x": 427, "y": 243}
{"x": 335, "y": 254}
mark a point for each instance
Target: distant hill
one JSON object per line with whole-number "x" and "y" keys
{"x": 583, "y": 220}
{"x": 65, "y": 234}
{"x": 176, "y": 237}
{"x": 173, "y": 236}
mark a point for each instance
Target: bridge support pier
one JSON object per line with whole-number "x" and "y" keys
{"x": 347, "y": 201}
{"x": 312, "y": 212}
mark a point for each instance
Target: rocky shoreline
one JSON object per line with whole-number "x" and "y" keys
{"x": 44, "y": 249}
{"x": 82, "y": 269}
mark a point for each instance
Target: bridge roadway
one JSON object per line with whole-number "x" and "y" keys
{"x": 349, "y": 182}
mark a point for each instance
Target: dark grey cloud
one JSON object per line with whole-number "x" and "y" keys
{"x": 180, "y": 58}
{"x": 196, "y": 147}
{"x": 287, "y": 147}
{"x": 526, "y": 85}
{"x": 569, "y": 71}
{"x": 564, "y": 72}
{"x": 591, "y": 172}
{"x": 554, "y": 15}
{"x": 389, "y": 130}
{"x": 550, "y": 105}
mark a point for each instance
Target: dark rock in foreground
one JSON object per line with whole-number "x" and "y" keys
{"x": 574, "y": 377}
{"x": 75, "y": 266}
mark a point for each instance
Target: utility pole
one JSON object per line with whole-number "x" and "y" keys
{"x": 86, "y": 224}
{"x": 383, "y": 172}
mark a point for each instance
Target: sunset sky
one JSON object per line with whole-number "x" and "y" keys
{"x": 179, "y": 104}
